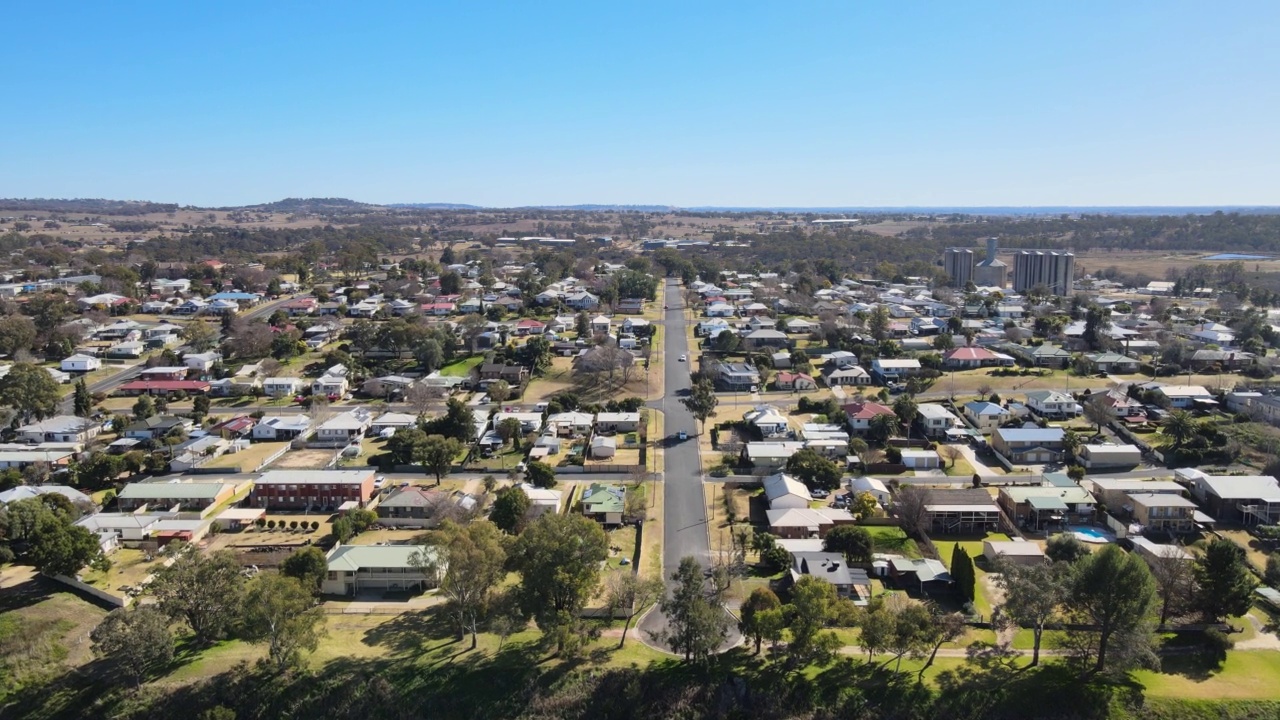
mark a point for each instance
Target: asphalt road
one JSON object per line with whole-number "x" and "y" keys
{"x": 684, "y": 507}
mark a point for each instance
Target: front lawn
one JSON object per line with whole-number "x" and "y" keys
{"x": 461, "y": 368}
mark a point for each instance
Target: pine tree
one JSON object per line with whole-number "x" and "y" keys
{"x": 82, "y": 402}
{"x": 962, "y": 573}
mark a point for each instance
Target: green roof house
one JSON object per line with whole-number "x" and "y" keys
{"x": 604, "y": 503}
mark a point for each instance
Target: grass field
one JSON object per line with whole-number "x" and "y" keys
{"x": 247, "y": 460}
{"x": 461, "y": 368}
{"x": 892, "y": 540}
{"x": 973, "y": 546}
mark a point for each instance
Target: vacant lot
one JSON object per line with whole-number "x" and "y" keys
{"x": 304, "y": 460}
{"x": 247, "y": 460}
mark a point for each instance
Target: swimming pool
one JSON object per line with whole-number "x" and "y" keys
{"x": 1238, "y": 256}
{"x": 1096, "y": 536}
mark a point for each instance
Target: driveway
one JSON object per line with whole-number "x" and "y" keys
{"x": 967, "y": 451}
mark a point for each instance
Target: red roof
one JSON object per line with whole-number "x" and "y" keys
{"x": 866, "y": 410}
{"x": 970, "y": 353}
{"x": 235, "y": 424}
{"x": 790, "y": 377}
{"x": 530, "y": 323}
{"x": 190, "y": 385}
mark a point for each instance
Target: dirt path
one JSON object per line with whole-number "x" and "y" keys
{"x": 1262, "y": 641}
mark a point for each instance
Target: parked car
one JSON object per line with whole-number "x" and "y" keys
{"x": 682, "y": 358}
{"x": 819, "y": 494}
{"x": 682, "y": 435}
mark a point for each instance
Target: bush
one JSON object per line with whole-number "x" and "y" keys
{"x": 271, "y": 524}
{"x": 293, "y": 525}
{"x": 108, "y": 497}
{"x": 1075, "y": 472}
{"x": 1272, "y": 574}
{"x": 1215, "y": 647}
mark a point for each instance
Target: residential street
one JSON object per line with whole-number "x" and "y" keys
{"x": 684, "y": 509}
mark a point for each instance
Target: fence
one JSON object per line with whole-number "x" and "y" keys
{"x": 103, "y": 595}
{"x": 272, "y": 458}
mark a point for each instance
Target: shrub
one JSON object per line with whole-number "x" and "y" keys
{"x": 293, "y": 524}
{"x": 271, "y": 524}
{"x": 315, "y": 525}
{"x": 1215, "y": 647}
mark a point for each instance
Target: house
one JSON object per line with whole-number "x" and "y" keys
{"x": 312, "y": 489}
{"x": 1016, "y": 552}
{"x": 344, "y": 428}
{"x": 201, "y": 497}
{"x": 1043, "y": 355}
{"x": 81, "y": 363}
{"x": 1028, "y": 445}
{"x": 541, "y": 499}
{"x": 925, "y": 575}
{"x": 129, "y": 527}
{"x": 1047, "y": 505}
{"x": 1109, "y": 362}
{"x": 921, "y": 459}
{"x": 847, "y": 375}
{"x": 1053, "y": 404}
{"x": 234, "y": 427}
{"x": 630, "y": 306}
{"x": 601, "y": 325}
{"x": 164, "y": 387}
{"x": 566, "y": 424}
{"x": 513, "y": 374}
{"x": 770, "y": 455}
{"x": 392, "y": 421}
{"x": 1246, "y": 499}
{"x": 60, "y": 429}
{"x": 875, "y": 486}
{"x": 800, "y": 326}
{"x": 604, "y": 503}
{"x": 19, "y": 459}
{"x": 961, "y": 512}
{"x": 1153, "y": 551}
{"x": 782, "y": 491}
{"x": 889, "y": 370}
{"x": 157, "y": 426}
{"x": 859, "y": 415}
{"x": 529, "y": 421}
{"x": 413, "y": 507}
{"x": 849, "y": 582}
{"x": 130, "y": 349}
{"x": 1163, "y": 511}
{"x": 301, "y": 306}
{"x": 25, "y": 492}
{"x": 164, "y": 373}
{"x": 282, "y": 386}
{"x": 1109, "y": 457}
{"x": 966, "y": 358}
{"x": 1185, "y": 397}
{"x": 603, "y": 447}
{"x": 582, "y": 300}
{"x": 354, "y": 570}
{"x": 764, "y": 338}
{"x": 710, "y": 328}
{"x": 985, "y": 415}
{"x": 720, "y": 310}
{"x": 937, "y": 420}
{"x": 737, "y": 377}
{"x": 201, "y": 362}
{"x": 617, "y": 422}
{"x": 529, "y": 326}
{"x": 1115, "y": 493}
{"x": 330, "y": 385}
{"x": 282, "y": 427}
{"x": 1226, "y": 360}
{"x": 768, "y": 419}
{"x": 795, "y": 523}
{"x": 794, "y": 381}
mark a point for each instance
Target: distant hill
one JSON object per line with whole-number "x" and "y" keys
{"x": 95, "y": 206}
{"x": 436, "y": 206}
{"x": 309, "y": 205}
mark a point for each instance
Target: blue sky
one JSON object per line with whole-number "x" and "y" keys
{"x": 706, "y": 103}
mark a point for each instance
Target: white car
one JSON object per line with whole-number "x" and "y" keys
{"x": 682, "y": 358}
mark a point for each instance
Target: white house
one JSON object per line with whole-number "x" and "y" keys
{"x": 377, "y": 568}
{"x": 1053, "y": 404}
{"x": 612, "y": 422}
{"x": 341, "y": 429}
{"x": 987, "y": 416}
{"x": 81, "y": 363}
{"x": 875, "y": 486}
{"x": 768, "y": 419}
{"x": 920, "y": 459}
{"x": 60, "y": 429}
{"x": 895, "y": 368}
{"x": 201, "y": 362}
{"x": 937, "y": 420}
{"x": 783, "y": 491}
{"x": 282, "y": 386}
{"x": 570, "y": 423}
{"x": 282, "y": 427}
{"x": 1185, "y": 396}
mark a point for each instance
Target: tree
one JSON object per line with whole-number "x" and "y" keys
{"x": 280, "y": 611}
{"x": 1175, "y": 583}
{"x": 200, "y": 336}
{"x": 864, "y": 505}
{"x": 306, "y": 565}
{"x": 632, "y": 594}
{"x": 878, "y": 323}
{"x": 469, "y": 561}
{"x": 755, "y": 622}
{"x": 1033, "y": 594}
{"x": 136, "y": 641}
{"x": 1114, "y": 592}
{"x": 815, "y": 470}
{"x": 507, "y": 429}
{"x": 17, "y": 334}
{"x": 144, "y": 407}
{"x": 558, "y": 558}
{"x": 963, "y": 573}
{"x": 82, "y": 402}
{"x": 945, "y": 628}
{"x": 910, "y": 501}
{"x": 31, "y": 391}
{"x": 458, "y": 422}
{"x": 437, "y": 454}
{"x": 906, "y": 410}
{"x": 202, "y": 590}
{"x": 695, "y": 626}
{"x": 540, "y": 474}
{"x": 813, "y": 603}
{"x": 510, "y": 510}
{"x": 852, "y": 541}
{"x": 1065, "y": 548}
{"x": 701, "y": 402}
{"x": 1179, "y": 427}
{"x": 59, "y": 548}
{"x": 499, "y": 391}
{"x": 875, "y": 628}
{"x": 882, "y": 427}
{"x": 1225, "y": 584}
{"x": 1096, "y": 410}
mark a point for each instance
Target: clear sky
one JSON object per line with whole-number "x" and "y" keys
{"x": 851, "y": 103}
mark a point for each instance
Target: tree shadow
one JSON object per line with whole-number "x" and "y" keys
{"x": 413, "y": 632}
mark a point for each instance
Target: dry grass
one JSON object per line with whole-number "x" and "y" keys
{"x": 128, "y": 568}
{"x": 247, "y": 460}
{"x": 304, "y": 459}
